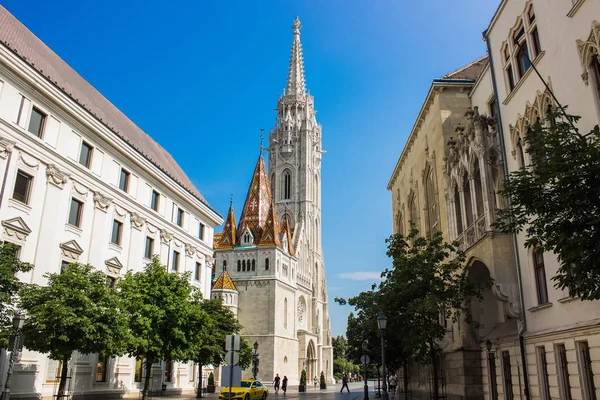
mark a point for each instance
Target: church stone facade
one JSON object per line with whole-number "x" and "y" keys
{"x": 272, "y": 266}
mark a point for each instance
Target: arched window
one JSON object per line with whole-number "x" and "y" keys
{"x": 243, "y": 265}
{"x": 224, "y": 265}
{"x": 287, "y": 184}
{"x": 414, "y": 210}
{"x": 520, "y": 154}
{"x": 266, "y": 264}
{"x": 478, "y": 188}
{"x": 432, "y": 203}
{"x": 468, "y": 204}
{"x": 400, "y": 223}
{"x": 458, "y": 210}
{"x": 239, "y": 266}
{"x": 253, "y": 265}
{"x": 285, "y": 313}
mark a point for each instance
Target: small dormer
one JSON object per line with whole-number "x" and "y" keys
{"x": 247, "y": 238}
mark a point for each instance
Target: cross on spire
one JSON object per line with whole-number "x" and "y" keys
{"x": 261, "y": 140}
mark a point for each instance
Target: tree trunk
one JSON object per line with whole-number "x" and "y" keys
{"x": 147, "y": 380}
{"x": 199, "y": 392}
{"x": 63, "y": 377}
{"x": 436, "y": 389}
{"x": 405, "y": 380}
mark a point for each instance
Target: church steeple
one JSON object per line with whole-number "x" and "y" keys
{"x": 226, "y": 239}
{"x": 295, "y": 83}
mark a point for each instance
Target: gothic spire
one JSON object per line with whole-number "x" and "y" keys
{"x": 295, "y": 83}
{"x": 226, "y": 239}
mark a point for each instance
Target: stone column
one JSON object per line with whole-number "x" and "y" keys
{"x": 99, "y": 235}
{"x": 53, "y": 217}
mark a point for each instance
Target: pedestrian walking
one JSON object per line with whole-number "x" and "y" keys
{"x": 345, "y": 384}
{"x": 284, "y": 384}
{"x": 276, "y": 383}
{"x": 393, "y": 384}
{"x": 316, "y": 381}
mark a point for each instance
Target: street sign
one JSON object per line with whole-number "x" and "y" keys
{"x": 232, "y": 357}
{"x": 232, "y": 342}
{"x": 365, "y": 359}
{"x": 230, "y": 376}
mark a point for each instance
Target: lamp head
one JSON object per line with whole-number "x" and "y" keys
{"x": 488, "y": 345}
{"x": 382, "y": 321}
{"x": 18, "y": 321}
{"x": 255, "y": 346}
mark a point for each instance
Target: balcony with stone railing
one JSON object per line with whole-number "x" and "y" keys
{"x": 473, "y": 234}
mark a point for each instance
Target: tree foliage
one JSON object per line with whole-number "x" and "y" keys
{"x": 76, "y": 311}
{"x": 340, "y": 347}
{"x": 10, "y": 266}
{"x": 427, "y": 283}
{"x": 165, "y": 316}
{"x": 556, "y": 201}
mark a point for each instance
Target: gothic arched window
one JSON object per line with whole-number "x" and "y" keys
{"x": 287, "y": 184}
{"x": 400, "y": 223}
{"x": 432, "y": 203}
{"x": 224, "y": 265}
{"x": 253, "y": 265}
{"x": 414, "y": 210}
{"x": 468, "y": 203}
{"x": 266, "y": 264}
{"x": 478, "y": 188}
{"x": 457, "y": 210}
{"x": 520, "y": 153}
{"x": 239, "y": 266}
{"x": 243, "y": 265}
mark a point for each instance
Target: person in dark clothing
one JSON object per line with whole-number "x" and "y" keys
{"x": 345, "y": 384}
{"x": 276, "y": 383}
{"x": 284, "y": 384}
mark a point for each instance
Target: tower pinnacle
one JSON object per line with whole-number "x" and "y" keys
{"x": 295, "y": 83}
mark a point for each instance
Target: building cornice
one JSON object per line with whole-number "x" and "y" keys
{"x": 20, "y": 71}
{"x": 436, "y": 85}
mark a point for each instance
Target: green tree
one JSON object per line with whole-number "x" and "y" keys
{"x": 556, "y": 201}
{"x": 212, "y": 349}
{"x": 76, "y": 311}
{"x": 10, "y": 266}
{"x": 340, "y": 347}
{"x": 164, "y": 316}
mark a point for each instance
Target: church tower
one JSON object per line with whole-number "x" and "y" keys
{"x": 295, "y": 153}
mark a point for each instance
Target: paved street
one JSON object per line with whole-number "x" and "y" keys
{"x": 332, "y": 392}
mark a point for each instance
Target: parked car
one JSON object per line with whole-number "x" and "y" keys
{"x": 249, "y": 389}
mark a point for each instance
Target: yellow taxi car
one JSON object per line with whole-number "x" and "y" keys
{"x": 249, "y": 389}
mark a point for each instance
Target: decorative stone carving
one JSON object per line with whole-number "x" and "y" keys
{"x": 79, "y": 188}
{"x": 210, "y": 261}
{"x": 190, "y": 250}
{"x": 16, "y": 228}
{"x": 30, "y": 164}
{"x": 113, "y": 265}
{"x": 165, "y": 236}
{"x": 71, "y": 250}
{"x": 101, "y": 201}
{"x": 55, "y": 176}
{"x": 137, "y": 221}
{"x": 6, "y": 146}
{"x": 120, "y": 211}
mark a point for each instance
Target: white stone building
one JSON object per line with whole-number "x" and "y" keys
{"x": 274, "y": 258}
{"x": 544, "y": 344}
{"x": 81, "y": 182}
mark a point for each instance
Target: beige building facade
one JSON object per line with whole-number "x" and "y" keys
{"x": 542, "y": 343}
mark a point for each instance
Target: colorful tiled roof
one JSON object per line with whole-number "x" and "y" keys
{"x": 258, "y": 202}
{"x": 270, "y": 231}
{"x": 224, "y": 282}
{"x": 23, "y": 43}
{"x": 226, "y": 239}
{"x": 285, "y": 230}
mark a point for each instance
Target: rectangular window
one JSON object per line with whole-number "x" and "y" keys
{"x": 117, "y": 232}
{"x": 175, "y": 261}
{"x": 522, "y": 57}
{"x": 139, "y": 369}
{"x": 562, "y": 370}
{"x": 492, "y": 375}
{"x": 543, "y": 373}
{"x": 154, "y": 200}
{"x": 179, "y": 217}
{"x": 53, "y": 371}
{"x": 507, "y": 376}
{"x": 75, "y": 212}
{"x": 540, "y": 277}
{"x": 201, "y": 231}
{"x": 510, "y": 77}
{"x": 36, "y": 122}
{"x": 111, "y": 282}
{"x": 149, "y": 249}
{"x": 535, "y": 39}
{"x": 586, "y": 373}
{"x": 168, "y": 371}
{"x": 192, "y": 372}
{"x": 85, "y": 154}
{"x": 101, "y": 368}
{"x": 64, "y": 265}
{"x": 124, "y": 180}
{"x": 198, "y": 271}
{"x": 22, "y": 190}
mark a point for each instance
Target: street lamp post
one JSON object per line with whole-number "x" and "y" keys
{"x": 382, "y": 322}
{"x": 255, "y": 360}
{"x": 18, "y": 321}
{"x": 365, "y": 345}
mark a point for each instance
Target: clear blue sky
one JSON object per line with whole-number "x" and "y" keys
{"x": 203, "y": 77}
